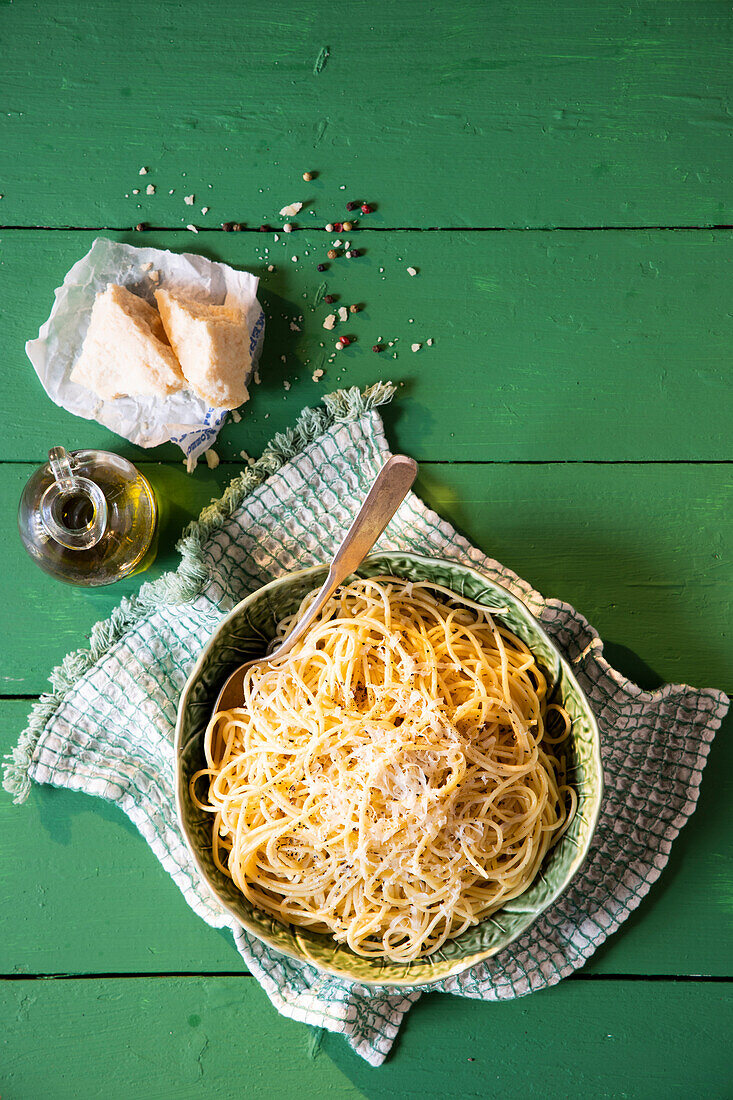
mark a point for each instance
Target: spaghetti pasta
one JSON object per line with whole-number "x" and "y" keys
{"x": 390, "y": 781}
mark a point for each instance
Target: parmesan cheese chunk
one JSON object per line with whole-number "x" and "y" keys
{"x": 212, "y": 345}
{"x": 125, "y": 350}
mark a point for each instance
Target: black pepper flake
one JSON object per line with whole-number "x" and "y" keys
{"x": 141, "y": 227}
{"x": 227, "y": 226}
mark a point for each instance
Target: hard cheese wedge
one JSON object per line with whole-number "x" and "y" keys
{"x": 126, "y": 350}
{"x": 212, "y": 345}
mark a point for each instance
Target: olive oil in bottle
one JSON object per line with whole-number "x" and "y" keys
{"x": 88, "y": 517}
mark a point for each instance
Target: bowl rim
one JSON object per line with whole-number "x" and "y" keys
{"x": 334, "y": 970}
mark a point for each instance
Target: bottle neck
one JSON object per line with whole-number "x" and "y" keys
{"x": 73, "y": 509}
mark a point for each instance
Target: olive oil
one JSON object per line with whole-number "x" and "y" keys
{"x": 88, "y": 517}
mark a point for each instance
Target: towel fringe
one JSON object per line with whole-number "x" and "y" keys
{"x": 188, "y": 580}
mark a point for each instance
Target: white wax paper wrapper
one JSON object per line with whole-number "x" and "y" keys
{"x": 147, "y": 421}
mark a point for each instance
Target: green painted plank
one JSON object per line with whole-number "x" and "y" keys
{"x": 595, "y": 113}
{"x": 639, "y": 549}
{"x": 86, "y": 858}
{"x": 221, "y": 1038}
{"x": 548, "y": 345}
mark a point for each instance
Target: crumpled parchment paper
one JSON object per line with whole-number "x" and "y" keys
{"x": 147, "y": 421}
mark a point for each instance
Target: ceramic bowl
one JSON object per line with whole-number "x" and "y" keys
{"x": 244, "y": 634}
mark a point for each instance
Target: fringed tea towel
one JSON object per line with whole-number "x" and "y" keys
{"x": 107, "y": 725}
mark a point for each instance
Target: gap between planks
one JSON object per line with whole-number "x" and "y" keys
{"x": 149, "y": 228}
{"x": 679, "y": 979}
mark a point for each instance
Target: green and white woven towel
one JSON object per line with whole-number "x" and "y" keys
{"x": 107, "y": 727}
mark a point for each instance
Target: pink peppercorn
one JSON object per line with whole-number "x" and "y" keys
{"x": 366, "y": 208}
{"x": 351, "y": 205}
{"x": 345, "y": 340}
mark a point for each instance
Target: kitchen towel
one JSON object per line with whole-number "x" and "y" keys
{"x": 107, "y": 726}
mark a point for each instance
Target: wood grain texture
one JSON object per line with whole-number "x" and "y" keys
{"x": 186, "y": 1038}
{"x": 81, "y": 892}
{"x": 641, "y": 550}
{"x": 604, "y": 345}
{"x": 572, "y": 113}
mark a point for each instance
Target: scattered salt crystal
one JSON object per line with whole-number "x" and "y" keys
{"x": 270, "y": 267}
{"x": 172, "y": 191}
{"x": 204, "y": 210}
{"x": 294, "y": 327}
{"x": 412, "y": 271}
{"x": 291, "y": 210}
{"x": 431, "y": 342}
{"x": 143, "y": 172}
{"x": 343, "y": 313}
{"x": 411, "y": 321}
{"x": 286, "y": 384}
{"x": 188, "y": 199}
{"x": 150, "y": 189}
{"x": 330, "y": 321}
{"x": 136, "y": 190}
{"x": 294, "y": 259}
{"x": 277, "y": 238}
{"x": 212, "y": 459}
{"x": 192, "y": 228}
{"x": 415, "y": 347}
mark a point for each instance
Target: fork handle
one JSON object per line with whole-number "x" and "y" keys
{"x": 389, "y": 489}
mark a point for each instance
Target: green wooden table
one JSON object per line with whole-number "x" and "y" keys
{"x": 559, "y": 176}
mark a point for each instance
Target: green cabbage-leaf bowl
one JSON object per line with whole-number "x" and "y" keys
{"x": 244, "y": 633}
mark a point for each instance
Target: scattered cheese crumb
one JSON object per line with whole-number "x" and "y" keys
{"x": 431, "y": 342}
{"x": 291, "y": 210}
{"x": 270, "y": 267}
{"x": 154, "y": 276}
{"x": 236, "y": 416}
{"x": 283, "y": 358}
{"x": 294, "y": 327}
{"x": 286, "y": 384}
{"x": 412, "y": 271}
{"x": 150, "y": 189}
{"x": 244, "y": 455}
{"x": 192, "y": 228}
{"x": 330, "y": 321}
{"x": 343, "y": 313}
{"x": 212, "y": 459}
{"x": 143, "y": 172}
{"x": 257, "y": 378}
{"x": 204, "y": 210}
{"x": 136, "y": 190}
{"x": 188, "y": 199}
{"x": 172, "y": 191}
{"x": 337, "y": 244}
{"x": 146, "y": 267}
{"x": 317, "y": 374}
{"x": 415, "y": 347}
